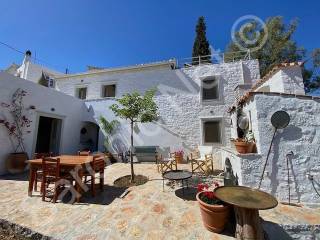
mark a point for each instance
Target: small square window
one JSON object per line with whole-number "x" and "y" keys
{"x": 210, "y": 89}
{"x": 212, "y": 132}
{"x": 109, "y": 91}
{"x": 81, "y": 93}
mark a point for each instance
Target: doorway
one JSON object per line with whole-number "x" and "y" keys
{"x": 49, "y": 133}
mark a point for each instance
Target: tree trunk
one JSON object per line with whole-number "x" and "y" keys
{"x": 131, "y": 155}
{"x": 248, "y": 224}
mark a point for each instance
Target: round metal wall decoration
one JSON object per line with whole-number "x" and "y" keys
{"x": 280, "y": 119}
{"x": 243, "y": 122}
{"x": 83, "y": 131}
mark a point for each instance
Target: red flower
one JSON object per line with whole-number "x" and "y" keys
{"x": 202, "y": 187}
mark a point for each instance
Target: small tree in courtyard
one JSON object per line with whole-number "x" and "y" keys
{"x": 136, "y": 108}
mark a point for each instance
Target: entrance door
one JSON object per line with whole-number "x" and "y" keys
{"x": 49, "y": 133}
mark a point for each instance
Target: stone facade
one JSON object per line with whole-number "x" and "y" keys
{"x": 301, "y": 136}
{"x": 178, "y": 98}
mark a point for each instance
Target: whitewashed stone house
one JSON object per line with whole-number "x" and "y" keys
{"x": 192, "y": 102}
{"x": 197, "y": 107}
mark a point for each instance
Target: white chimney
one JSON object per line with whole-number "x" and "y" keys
{"x": 25, "y": 64}
{"x": 27, "y": 57}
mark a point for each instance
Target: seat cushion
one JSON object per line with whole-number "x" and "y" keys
{"x": 205, "y": 150}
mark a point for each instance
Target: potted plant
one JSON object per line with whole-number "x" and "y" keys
{"x": 17, "y": 126}
{"x": 241, "y": 145}
{"x": 214, "y": 212}
{"x": 251, "y": 142}
{"x": 179, "y": 156}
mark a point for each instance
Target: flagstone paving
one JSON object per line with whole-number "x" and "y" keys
{"x": 146, "y": 212}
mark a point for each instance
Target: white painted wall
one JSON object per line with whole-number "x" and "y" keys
{"x": 71, "y": 110}
{"x": 178, "y": 99}
{"x": 302, "y": 136}
{"x": 287, "y": 80}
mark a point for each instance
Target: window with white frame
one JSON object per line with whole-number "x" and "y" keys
{"x": 81, "y": 92}
{"x": 211, "y": 131}
{"x": 210, "y": 89}
{"x": 109, "y": 90}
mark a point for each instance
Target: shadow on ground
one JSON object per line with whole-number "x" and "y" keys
{"x": 275, "y": 231}
{"x": 109, "y": 194}
{"x": 16, "y": 177}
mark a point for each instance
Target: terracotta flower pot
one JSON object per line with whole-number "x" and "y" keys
{"x": 16, "y": 162}
{"x": 214, "y": 217}
{"x": 251, "y": 147}
{"x": 242, "y": 147}
{"x": 179, "y": 158}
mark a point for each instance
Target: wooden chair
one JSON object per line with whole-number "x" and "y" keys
{"x": 51, "y": 175}
{"x": 84, "y": 153}
{"x": 166, "y": 164}
{"x": 98, "y": 165}
{"x": 202, "y": 165}
{"x": 38, "y": 176}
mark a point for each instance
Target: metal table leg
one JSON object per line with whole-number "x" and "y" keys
{"x": 162, "y": 184}
{"x": 182, "y": 187}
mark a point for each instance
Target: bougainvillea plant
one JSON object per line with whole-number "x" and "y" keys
{"x": 207, "y": 194}
{"x": 179, "y": 152}
{"x": 19, "y": 123}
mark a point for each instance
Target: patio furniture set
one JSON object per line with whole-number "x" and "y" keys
{"x": 201, "y": 160}
{"x": 60, "y": 171}
{"x": 245, "y": 201}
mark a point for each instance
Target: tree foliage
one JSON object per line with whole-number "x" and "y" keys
{"x": 136, "y": 108}
{"x": 201, "y": 45}
{"x": 108, "y": 128}
{"x": 279, "y": 47}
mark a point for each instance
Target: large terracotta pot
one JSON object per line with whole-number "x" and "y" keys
{"x": 214, "y": 217}
{"x": 16, "y": 162}
{"x": 242, "y": 147}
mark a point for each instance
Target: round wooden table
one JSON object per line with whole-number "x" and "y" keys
{"x": 247, "y": 202}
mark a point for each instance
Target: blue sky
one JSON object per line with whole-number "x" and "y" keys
{"x": 77, "y": 33}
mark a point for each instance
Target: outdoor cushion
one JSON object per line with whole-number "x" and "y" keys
{"x": 205, "y": 150}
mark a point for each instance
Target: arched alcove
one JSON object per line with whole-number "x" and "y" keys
{"x": 89, "y": 136}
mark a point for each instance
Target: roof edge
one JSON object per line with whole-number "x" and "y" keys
{"x": 133, "y": 67}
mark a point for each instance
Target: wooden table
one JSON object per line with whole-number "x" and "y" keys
{"x": 75, "y": 164}
{"x": 247, "y": 202}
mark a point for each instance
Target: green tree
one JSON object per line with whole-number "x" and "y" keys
{"x": 136, "y": 108}
{"x": 108, "y": 128}
{"x": 201, "y": 45}
{"x": 279, "y": 46}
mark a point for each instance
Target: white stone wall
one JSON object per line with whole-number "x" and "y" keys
{"x": 287, "y": 80}
{"x": 302, "y": 136}
{"x": 251, "y": 71}
{"x": 71, "y": 110}
{"x": 178, "y": 99}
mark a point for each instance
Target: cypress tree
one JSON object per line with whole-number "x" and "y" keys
{"x": 201, "y": 44}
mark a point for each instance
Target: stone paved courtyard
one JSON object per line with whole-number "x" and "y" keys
{"x": 146, "y": 212}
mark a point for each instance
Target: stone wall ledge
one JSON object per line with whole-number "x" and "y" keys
{"x": 240, "y": 155}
